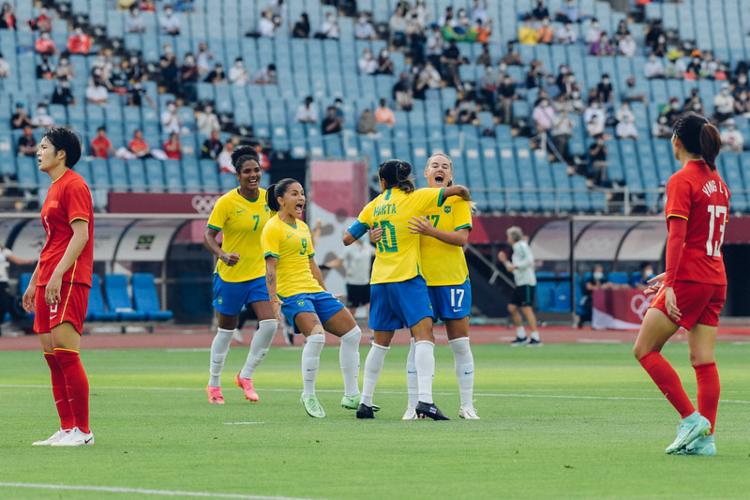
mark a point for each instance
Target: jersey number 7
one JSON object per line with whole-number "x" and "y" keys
{"x": 713, "y": 248}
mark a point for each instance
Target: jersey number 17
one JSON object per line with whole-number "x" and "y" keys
{"x": 713, "y": 247}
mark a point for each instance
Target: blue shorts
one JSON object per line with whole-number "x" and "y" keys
{"x": 399, "y": 305}
{"x": 230, "y": 297}
{"x": 451, "y": 301}
{"x": 323, "y": 304}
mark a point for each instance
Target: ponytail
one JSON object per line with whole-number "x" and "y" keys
{"x": 710, "y": 143}
{"x": 275, "y": 191}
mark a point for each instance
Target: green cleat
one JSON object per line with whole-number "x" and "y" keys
{"x": 691, "y": 428}
{"x": 312, "y": 406}
{"x": 703, "y": 446}
{"x": 352, "y": 402}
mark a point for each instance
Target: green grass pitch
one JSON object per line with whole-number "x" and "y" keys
{"x": 560, "y": 421}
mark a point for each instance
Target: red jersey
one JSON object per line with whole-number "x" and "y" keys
{"x": 699, "y": 195}
{"x": 101, "y": 147}
{"x": 68, "y": 199}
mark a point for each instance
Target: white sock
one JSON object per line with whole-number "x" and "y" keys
{"x": 349, "y": 361}
{"x": 311, "y": 362}
{"x": 535, "y": 335}
{"x": 411, "y": 377}
{"x": 521, "y": 332}
{"x": 464, "y": 362}
{"x": 219, "y": 350}
{"x": 259, "y": 346}
{"x": 424, "y": 360}
{"x": 373, "y": 367}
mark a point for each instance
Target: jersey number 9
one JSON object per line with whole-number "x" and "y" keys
{"x": 388, "y": 241}
{"x": 303, "y": 251}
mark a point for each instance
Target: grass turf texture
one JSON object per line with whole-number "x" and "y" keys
{"x": 558, "y": 421}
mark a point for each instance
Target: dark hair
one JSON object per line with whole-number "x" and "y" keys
{"x": 67, "y": 140}
{"x": 243, "y": 154}
{"x": 276, "y": 190}
{"x": 699, "y": 137}
{"x": 397, "y": 173}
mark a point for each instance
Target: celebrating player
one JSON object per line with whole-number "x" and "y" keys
{"x": 240, "y": 215}
{"x": 59, "y": 288}
{"x": 692, "y": 290}
{"x": 444, "y": 231}
{"x": 295, "y": 284}
{"x": 522, "y": 267}
{"x": 399, "y": 296}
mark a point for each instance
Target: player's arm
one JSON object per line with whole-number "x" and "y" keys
{"x": 209, "y": 241}
{"x": 457, "y": 190}
{"x": 316, "y": 272}
{"x": 422, "y": 225}
{"x": 76, "y": 244}
{"x": 14, "y": 259}
{"x": 271, "y": 262}
{"x": 360, "y": 226}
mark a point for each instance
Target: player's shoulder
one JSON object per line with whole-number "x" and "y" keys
{"x": 73, "y": 178}
{"x": 302, "y": 225}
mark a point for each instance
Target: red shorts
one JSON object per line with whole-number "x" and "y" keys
{"x": 72, "y": 308}
{"x": 699, "y": 303}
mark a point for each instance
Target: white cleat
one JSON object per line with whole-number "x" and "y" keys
{"x": 76, "y": 438}
{"x": 410, "y": 414}
{"x": 54, "y": 438}
{"x": 468, "y": 413}
{"x": 237, "y": 337}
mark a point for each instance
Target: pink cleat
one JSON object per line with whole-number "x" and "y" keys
{"x": 215, "y": 397}
{"x": 246, "y": 384}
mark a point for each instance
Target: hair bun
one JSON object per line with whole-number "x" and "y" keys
{"x": 243, "y": 151}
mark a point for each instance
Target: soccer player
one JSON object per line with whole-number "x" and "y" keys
{"x": 240, "y": 215}
{"x": 399, "y": 296}
{"x": 296, "y": 287}
{"x": 692, "y": 290}
{"x": 443, "y": 232}
{"x": 522, "y": 267}
{"x": 59, "y": 288}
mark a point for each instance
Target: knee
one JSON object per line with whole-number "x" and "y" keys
{"x": 701, "y": 357}
{"x": 512, "y": 309}
{"x": 639, "y": 351}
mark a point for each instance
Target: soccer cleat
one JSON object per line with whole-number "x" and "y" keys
{"x": 410, "y": 414}
{"x": 429, "y": 410}
{"x": 312, "y": 406}
{"x": 468, "y": 413}
{"x": 352, "y": 402}
{"x": 534, "y": 343}
{"x": 704, "y": 446}
{"x": 215, "y": 397}
{"x": 246, "y": 384}
{"x": 237, "y": 337}
{"x": 520, "y": 341}
{"x": 76, "y": 438}
{"x": 57, "y": 436}
{"x": 691, "y": 428}
{"x": 365, "y": 411}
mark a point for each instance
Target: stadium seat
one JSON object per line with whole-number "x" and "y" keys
{"x": 97, "y": 310}
{"x": 146, "y": 299}
{"x": 118, "y": 298}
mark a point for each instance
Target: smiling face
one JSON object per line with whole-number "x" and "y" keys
{"x": 47, "y": 156}
{"x": 293, "y": 200}
{"x": 249, "y": 175}
{"x": 439, "y": 171}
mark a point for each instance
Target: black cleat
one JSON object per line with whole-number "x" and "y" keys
{"x": 365, "y": 411}
{"x": 534, "y": 343}
{"x": 520, "y": 341}
{"x": 429, "y": 410}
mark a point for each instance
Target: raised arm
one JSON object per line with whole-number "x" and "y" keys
{"x": 457, "y": 190}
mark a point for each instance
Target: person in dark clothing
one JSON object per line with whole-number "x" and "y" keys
{"x": 212, "y": 147}
{"x": 597, "y": 281}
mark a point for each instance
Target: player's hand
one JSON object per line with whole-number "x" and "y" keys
{"x": 52, "y": 290}
{"x": 376, "y": 234}
{"x": 670, "y": 302}
{"x": 502, "y": 257}
{"x": 654, "y": 284}
{"x": 28, "y": 299}
{"x": 230, "y": 259}
{"x": 421, "y": 225}
{"x": 276, "y": 305}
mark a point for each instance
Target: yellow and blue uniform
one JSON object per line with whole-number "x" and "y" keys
{"x": 241, "y": 221}
{"x": 399, "y": 295}
{"x": 296, "y": 286}
{"x": 444, "y": 265}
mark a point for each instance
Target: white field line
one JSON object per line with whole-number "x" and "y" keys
{"x": 243, "y": 423}
{"x": 520, "y": 395}
{"x": 141, "y": 491}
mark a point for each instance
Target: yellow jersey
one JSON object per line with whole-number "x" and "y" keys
{"x": 397, "y": 256}
{"x": 241, "y": 222}
{"x": 293, "y": 247}
{"x": 444, "y": 264}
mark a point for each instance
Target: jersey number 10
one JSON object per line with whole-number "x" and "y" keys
{"x": 713, "y": 248}
{"x": 388, "y": 241}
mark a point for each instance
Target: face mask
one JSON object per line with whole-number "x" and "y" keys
{"x": 598, "y": 276}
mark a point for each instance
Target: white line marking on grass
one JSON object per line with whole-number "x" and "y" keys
{"x": 189, "y": 349}
{"x": 243, "y": 423}
{"x": 599, "y": 341}
{"x": 141, "y": 491}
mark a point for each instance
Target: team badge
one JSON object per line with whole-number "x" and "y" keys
{"x": 219, "y": 301}
{"x": 300, "y": 303}
{"x": 447, "y": 210}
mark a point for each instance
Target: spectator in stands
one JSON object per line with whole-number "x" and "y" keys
{"x": 368, "y": 65}
{"x": 630, "y": 93}
{"x": 45, "y": 45}
{"x": 79, "y": 42}
{"x": 604, "y": 90}
{"x": 135, "y": 22}
{"x": 26, "y": 145}
{"x": 212, "y": 146}
{"x": 301, "y": 28}
{"x": 731, "y": 138}
{"x": 742, "y": 103}
{"x": 216, "y": 75}
{"x": 694, "y": 69}
{"x": 569, "y": 13}
{"x": 172, "y": 147}
{"x": 431, "y": 76}
{"x": 224, "y": 159}
{"x": 363, "y": 29}
{"x": 168, "y": 70}
{"x": 101, "y": 146}
{"x": 626, "y": 128}
{"x": 595, "y": 119}
{"x": 593, "y": 33}
{"x": 724, "y": 104}
{"x": 597, "y": 174}
{"x": 527, "y": 35}
{"x": 566, "y": 34}
{"x": 693, "y": 102}
{"x": 189, "y": 78}
{"x": 434, "y": 47}
{"x": 329, "y": 28}
{"x": 627, "y": 46}
{"x": 415, "y": 39}
{"x": 647, "y": 272}
{"x": 204, "y": 59}
{"x": 148, "y": 6}
{"x": 307, "y": 112}
{"x": 7, "y": 17}
{"x": 562, "y": 131}
{"x": 661, "y": 128}
{"x": 597, "y": 281}
{"x": 384, "y": 115}
{"x": 506, "y": 93}
{"x": 544, "y": 33}
{"x": 485, "y": 58}
{"x": 402, "y": 92}
{"x": 267, "y": 76}
{"x": 539, "y": 12}
{"x": 42, "y": 23}
{"x": 44, "y": 69}
{"x": 20, "y": 118}
{"x": 601, "y": 47}
{"x": 511, "y": 57}
{"x": 4, "y": 67}
{"x": 62, "y": 94}
{"x": 64, "y": 69}
{"x": 653, "y": 67}
{"x": 466, "y": 110}
{"x": 170, "y": 120}
{"x": 42, "y": 118}
{"x": 169, "y": 22}
{"x": 138, "y": 148}
{"x": 366, "y": 123}
{"x": 96, "y": 93}
{"x": 384, "y": 62}
{"x": 544, "y": 116}
{"x": 654, "y": 30}
{"x": 488, "y": 87}
{"x": 238, "y": 73}
{"x": 450, "y": 60}
{"x": 126, "y": 4}
{"x": 535, "y": 75}
{"x": 266, "y": 26}
{"x": 397, "y": 26}
{"x": 206, "y": 120}
{"x": 338, "y": 103}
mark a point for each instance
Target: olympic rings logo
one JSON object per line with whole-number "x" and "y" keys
{"x": 203, "y": 204}
{"x": 639, "y": 304}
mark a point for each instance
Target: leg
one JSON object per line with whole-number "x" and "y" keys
{"x": 259, "y": 347}
{"x": 343, "y": 325}
{"x": 528, "y": 312}
{"x": 59, "y": 386}
{"x": 309, "y": 324}
{"x": 424, "y": 358}
{"x": 702, "y": 339}
{"x": 219, "y": 351}
{"x": 66, "y": 342}
{"x": 374, "y": 364}
{"x": 412, "y": 386}
{"x": 458, "y": 339}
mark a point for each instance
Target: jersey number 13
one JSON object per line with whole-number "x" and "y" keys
{"x": 713, "y": 246}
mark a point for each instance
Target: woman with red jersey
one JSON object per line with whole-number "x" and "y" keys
{"x": 692, "y": 290}
{"x": 59, "y": 288}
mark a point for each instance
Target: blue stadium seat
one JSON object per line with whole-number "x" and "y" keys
{"x": 118, "y": 298}
{"x": 146, "y": 299}
{"x": 97, "y": 311}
